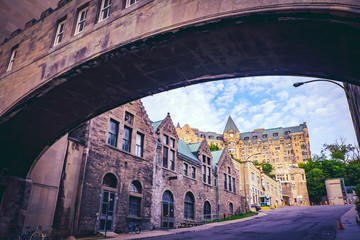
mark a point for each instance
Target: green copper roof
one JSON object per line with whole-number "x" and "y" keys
{"x": 274, "y": 133}
{"x": 194, "y": 146}
{"x": 185, "y": 152}
{"x": 230, "y": 125}
{"x": 156, "y": 124}
{"x": 216, "y": 156}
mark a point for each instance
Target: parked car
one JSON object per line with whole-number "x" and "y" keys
{"x": 256, "y": 206}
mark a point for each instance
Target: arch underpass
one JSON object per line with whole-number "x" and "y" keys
{"x": 154, "y": 46}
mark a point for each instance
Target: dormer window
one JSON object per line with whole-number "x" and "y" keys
{"x": 275, "y": 134}
{"x": 254, "y": 137}
{"x": 264, "y": 135}
{"x": 246, "y": 138}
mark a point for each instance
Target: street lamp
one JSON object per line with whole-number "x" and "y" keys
{"x": 246, "y": 161}
{"x": 355, "y": 117}
{"x": 298, "y": 84}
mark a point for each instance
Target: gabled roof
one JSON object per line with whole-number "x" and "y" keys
{"x": 185, "y": 153}
{"x": 156, "y": 124}
{"x": 230, "y": 125}
{"x": 216, "y": 155}
{"x": 194, "y": 147}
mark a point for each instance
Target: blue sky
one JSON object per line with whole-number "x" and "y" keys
{"x": 259, "y": 102}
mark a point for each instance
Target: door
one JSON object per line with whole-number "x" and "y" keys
{"x": 107, "y": 210}
{"x": 167, "y": 210}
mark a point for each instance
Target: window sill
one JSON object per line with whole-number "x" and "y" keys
{"x": 134, "y": 217}
{"x": 125, "y": 152}
{"x": 167, "y": 169}
{"x": 194, "y": 179}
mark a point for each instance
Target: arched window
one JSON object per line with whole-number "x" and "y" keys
{"x": 167, "y": 210}
{"x": 207, "y": 210}
{"x": 135, "y": 187}
{"x": 110, "y": 180}
{"x": 189, "y": 206}
{"x": 231, "y": 209}
{"x": 135, "y": 199}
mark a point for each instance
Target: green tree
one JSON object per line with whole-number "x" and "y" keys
{"x": 316, "y": 184}
{"x": 213, "y": 147}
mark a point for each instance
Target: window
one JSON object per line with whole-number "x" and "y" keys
{"x": 186, "y": 169}
{"x": 172, "y": 160}
{"x": 246, "y": 138}
{"x": 204, "y": 174}
{"x": 165, "y": 139}
{"x": 207, "y": 210}
{"x": 165, "y": 157}
{"x": 127, "y": 139}
{"x": 129, "y": 118}
{"x": 139, "y": 144}
{"x": 234, "y": 188}
{"x": 172, "y": 142}
{"x": 225, "y": 181}
{"x": 80, "y": 24}
{"x": 275, "y": 134}
{"x": 113, "y": 133}
{"x": 264, "y": 135}
{"x": 105, "y": 9}
{"x": 135, "y": 199}
{"x": 59, "y": 33}
{"x": 253, "y": 176}
{"x": 293, "y": 186}
{"x": 193, "y": 172}
{"x": 189, "y": 206}
{"x": 208, "y": 175}
{"x": 131, "y": 2}
{"x": 229, "y": 170}
{"x": 109, "y": 180}
{"x": 12, "y": 58}
{"x": 230, "y": 183}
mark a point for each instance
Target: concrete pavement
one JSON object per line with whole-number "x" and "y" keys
{"x": 157, "y": 233}
{"x": 351, "y": 228}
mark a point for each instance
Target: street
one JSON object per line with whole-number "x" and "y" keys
{"x": 315, "y": 222}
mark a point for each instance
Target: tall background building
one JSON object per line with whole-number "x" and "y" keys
{"x": 283, "y": 148}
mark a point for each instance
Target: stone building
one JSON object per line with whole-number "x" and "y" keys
{"x": 336, "y": 191}
{"x": 98, "y": 176}
{"x": 189, "y": 183}
{"x": 257, "y": 187}
{"x": 118, "y": 168}
{"x": 283, "y": 148}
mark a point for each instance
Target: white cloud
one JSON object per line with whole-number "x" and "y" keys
{"x": 259, "y": 102}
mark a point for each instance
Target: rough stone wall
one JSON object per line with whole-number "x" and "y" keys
{"x": 179, "y": 184}
{"x": 127, "y": 167}
{"x": 13, "y": 204}
{"x": 226, "y": 196}
{"x": 353, "y": 96}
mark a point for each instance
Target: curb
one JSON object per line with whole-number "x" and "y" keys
{"x": 158, "y": 233}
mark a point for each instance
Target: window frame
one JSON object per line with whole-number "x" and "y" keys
{"x": 103, "y": 9}
{"x": 58, "y": 34}
{"x": 129, "y": 4}
{"x": 139, "y": 149}
{"x": 115, "y": 135}
{"x": 13, "y": 54}
{"x": 79, "y": 21}
{"x": 127, "y": 142}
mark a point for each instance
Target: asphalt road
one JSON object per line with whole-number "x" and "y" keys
{"x": 291, "y": 223}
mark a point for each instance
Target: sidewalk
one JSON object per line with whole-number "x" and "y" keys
{"x": 351, "y": 228}
{"x": 156, "y": 233}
